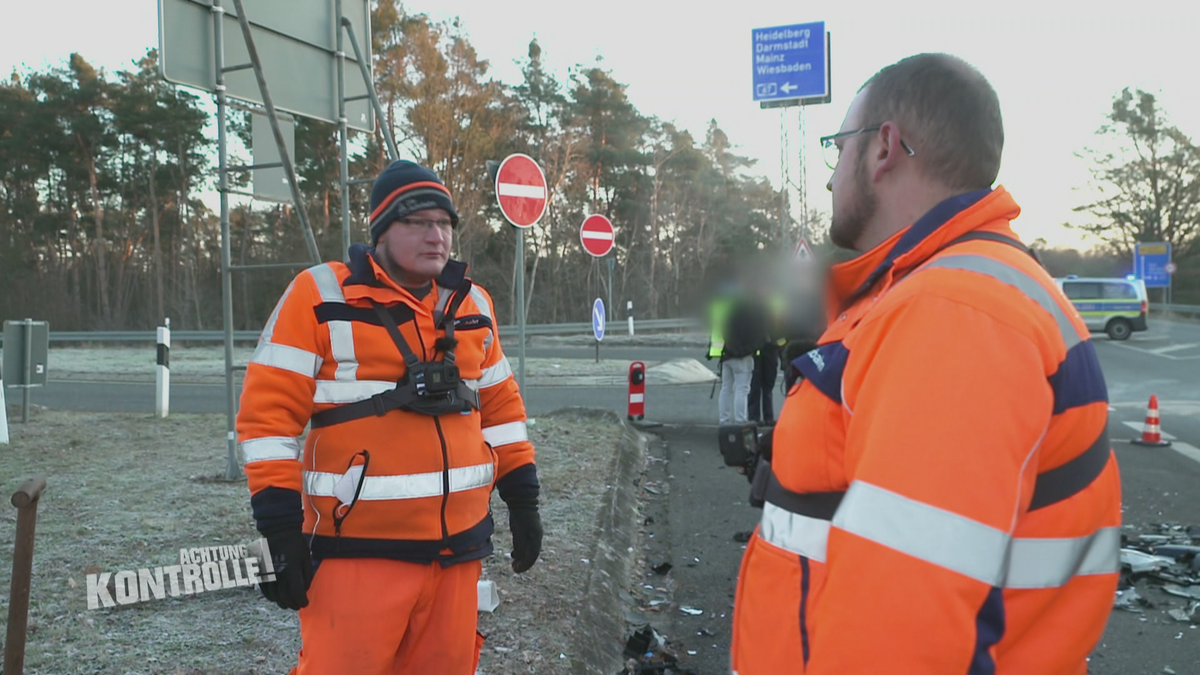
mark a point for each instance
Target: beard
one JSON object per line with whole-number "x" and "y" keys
{"x": 848, "y": 223}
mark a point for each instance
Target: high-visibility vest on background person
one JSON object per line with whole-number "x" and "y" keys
{"x": 428, "y": 479}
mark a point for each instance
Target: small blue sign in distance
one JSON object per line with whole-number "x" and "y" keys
{"x": 598, "y": 319}
{"x": 1150, "y": 263}
{"x": 790, "y": 62}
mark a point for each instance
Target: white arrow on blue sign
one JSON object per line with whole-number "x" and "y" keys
{"x": 598, "y": 319}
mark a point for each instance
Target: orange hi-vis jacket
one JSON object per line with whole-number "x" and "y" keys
{"x": 944, "y": 498}
{"x": 427, "y": 479}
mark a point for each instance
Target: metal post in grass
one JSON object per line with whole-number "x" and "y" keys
{"x": 26, "y": 500}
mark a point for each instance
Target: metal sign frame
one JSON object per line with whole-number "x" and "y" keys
{"x": 211, "y": 26}
{"x": 268, "y": 180}
{"x": 297, "y": 43}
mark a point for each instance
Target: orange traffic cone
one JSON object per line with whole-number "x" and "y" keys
{"x": 1151, "y": 433}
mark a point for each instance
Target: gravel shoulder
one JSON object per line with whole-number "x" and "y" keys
{"x": 126, "y": 491}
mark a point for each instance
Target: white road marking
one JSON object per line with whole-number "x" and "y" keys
{"x": 1187, "y": 450}
{"x": 1160, "y": 351}
{"x": 1174, "y": 348}
{"x": 1137, "y": 426}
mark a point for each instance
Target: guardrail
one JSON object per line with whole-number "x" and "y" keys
{"x": 1186, "y": 310}
{"x": 508, "y": 332}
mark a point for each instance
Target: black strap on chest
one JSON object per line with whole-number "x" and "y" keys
{"x": 431, "y": 388}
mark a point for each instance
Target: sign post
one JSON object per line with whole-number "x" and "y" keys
{"x": 598, "y": 321}
{"x": 522, "y": 195}
{"x": 3, "y": 414}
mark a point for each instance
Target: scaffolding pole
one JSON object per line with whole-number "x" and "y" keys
{"x": 233, "y": 469}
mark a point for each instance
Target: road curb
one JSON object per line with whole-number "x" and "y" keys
{"x": 597, "y": 645}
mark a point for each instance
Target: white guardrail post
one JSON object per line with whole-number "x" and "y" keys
{"x": 162, "y": 375}
{"x": 3, "y": 414}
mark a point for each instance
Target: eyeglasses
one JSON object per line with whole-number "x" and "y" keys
{"x": 833, "y": 153}
{"x": 443, "y": 224}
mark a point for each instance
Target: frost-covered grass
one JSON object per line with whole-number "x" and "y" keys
{"x": 206, "y": 364}
{"x": 126, "y": 491}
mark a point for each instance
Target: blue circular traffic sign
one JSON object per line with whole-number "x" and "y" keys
{"x": 598, "y": 319}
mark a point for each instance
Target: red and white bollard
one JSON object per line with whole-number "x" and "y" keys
{"x": 637, "y": 390}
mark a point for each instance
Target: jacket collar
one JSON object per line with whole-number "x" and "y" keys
{"x": 912, "y": 246}
{"x": 369, "y": 277}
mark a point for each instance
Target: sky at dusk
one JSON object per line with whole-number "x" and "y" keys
{"x": 1056, "y": 66}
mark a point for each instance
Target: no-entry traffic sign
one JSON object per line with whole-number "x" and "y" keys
{"x": 521, "y": 190}
{"x": 597, "y": 235}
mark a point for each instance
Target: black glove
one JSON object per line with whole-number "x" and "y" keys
{"x": 526, "y": 526}
{"x": 293, "y": 567}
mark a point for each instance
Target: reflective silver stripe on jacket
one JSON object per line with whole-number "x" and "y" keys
{"x": 793, "y": 532}
{"x": 270, "y": 448}
{"x": 341, "y": 333}
{"x": 946, "y": 539}
{"x": 497, "y": 374}
{"x": 404, "y": 486}
{"x": 333, "y": 391}
{"x": 284, "y": 357}
{"x": 481, "y": 302}
{"x": 505, "y": 434}
{"x": 1012, "y": 276}
{"x": 269, "y": 329}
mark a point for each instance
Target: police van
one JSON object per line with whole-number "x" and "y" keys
{"x": 1116, "y": 306}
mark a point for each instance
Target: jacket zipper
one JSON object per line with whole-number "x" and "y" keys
{"x": 445, "y": 451}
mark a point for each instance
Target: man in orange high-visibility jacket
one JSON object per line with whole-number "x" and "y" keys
{"x": 394, "y": 359}
{"x": 943, "y": 497}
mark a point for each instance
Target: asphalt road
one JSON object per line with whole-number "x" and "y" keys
{"x": 706, "y": 502}
{"x": 707, "y": 507}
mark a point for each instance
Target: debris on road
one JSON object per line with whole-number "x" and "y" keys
{"x": 1139, "y": 561}
{"x": 1129, "y": 600}
{"x": 647, "y": 652}
{"x": 1160, "y": 570}
{"x": 693, "y": 611}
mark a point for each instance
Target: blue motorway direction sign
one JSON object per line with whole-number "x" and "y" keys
{"x": 1150, "y": 263}
{"x": 790, "y": 62}
{"x": 598, "y": 320}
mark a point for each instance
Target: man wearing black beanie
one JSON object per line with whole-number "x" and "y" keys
{"x": 378, "y": 528}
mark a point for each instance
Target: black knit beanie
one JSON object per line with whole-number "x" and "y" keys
{"x": 406, "y": 187}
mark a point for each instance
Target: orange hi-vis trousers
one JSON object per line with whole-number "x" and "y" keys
{"x": 371, "y": 616}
